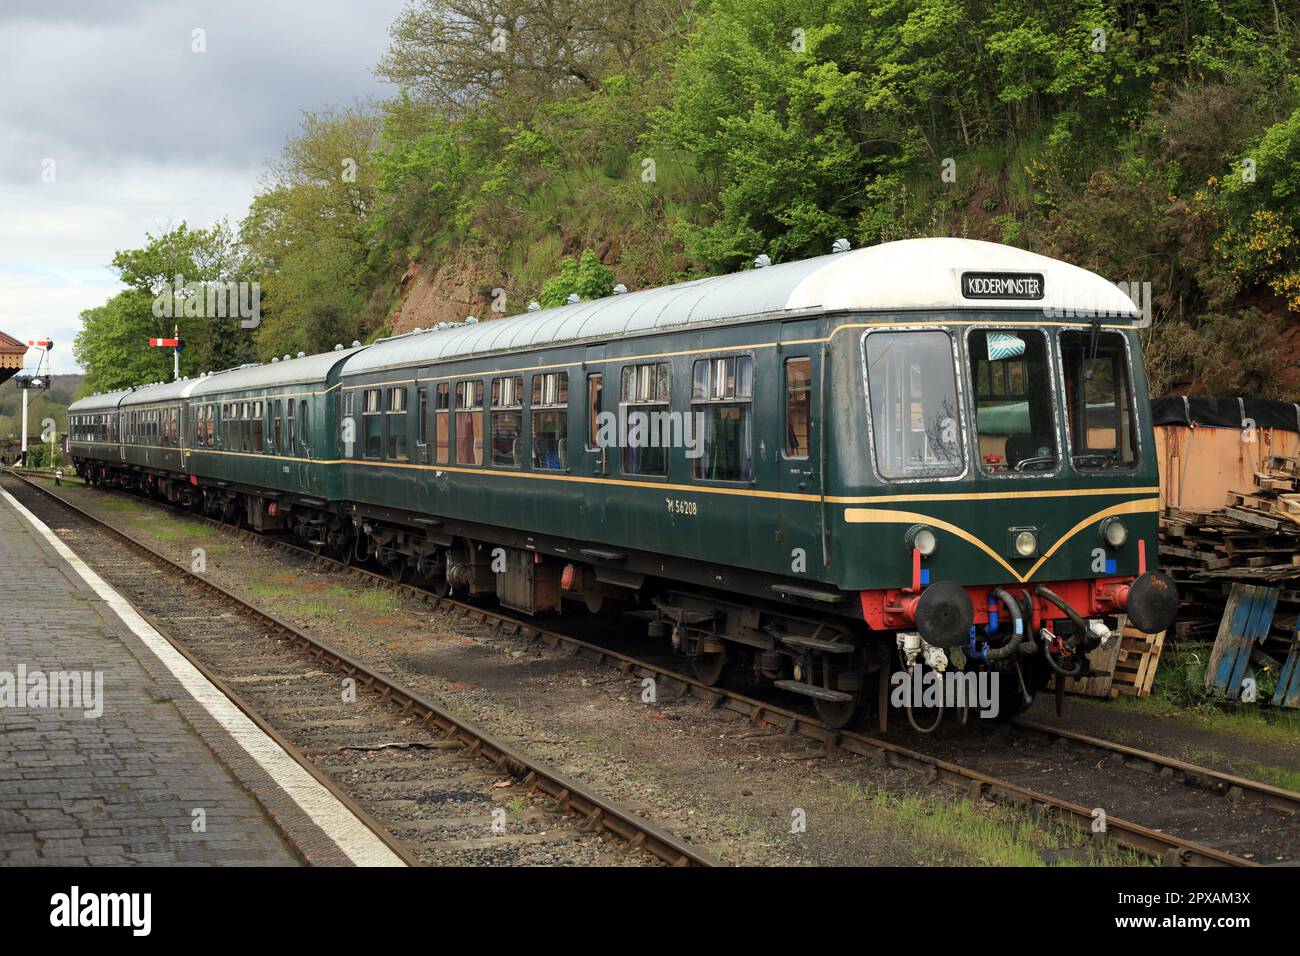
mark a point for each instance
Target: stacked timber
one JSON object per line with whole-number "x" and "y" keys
{"x": 1254, "y": 539}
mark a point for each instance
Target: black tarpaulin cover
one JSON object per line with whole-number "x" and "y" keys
{"x": 1224, "y": 412}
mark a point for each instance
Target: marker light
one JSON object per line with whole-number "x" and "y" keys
{"x": 1114, "y": 533}
{"x": 922, "y": 539}
{"x": 1026, "y": 543}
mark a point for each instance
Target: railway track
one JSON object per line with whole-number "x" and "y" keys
{"x": 434, "y": 787}
{"x": 1166, "y": 847}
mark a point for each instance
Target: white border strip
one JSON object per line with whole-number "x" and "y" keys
{"x": 353, "y": 837}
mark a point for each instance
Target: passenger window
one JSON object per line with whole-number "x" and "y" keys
{"x": 469, "y": 423}
{"x": 259, "y": 424}
{"x": 372, "y": 422}
{"x": 1014, "y": 412}
{"x": 722, "y": 397}
{"x": 507, "y": 421}
{"x": 595, "y": 384}
{"x": 1099, "y": 400}
{"x": 245, "y": 438}
{"x": 798, "y": 406}
{"x": 276, "y": 414}
{"x": 644, "y": 400}
{"x": 397, "y": 424}
{"x": 304, "y": 432}
{"x": 442, "y": 423}
{"x": 550, "y": 411}
{"x": 912, "y": 391}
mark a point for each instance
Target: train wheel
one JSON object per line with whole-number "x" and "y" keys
{"x": 709, "y": 667}
{"x": 837, "y": 714}
{"x": 399, "y": 570}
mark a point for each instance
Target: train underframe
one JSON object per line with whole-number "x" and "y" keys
{"x": 801, "y": 640}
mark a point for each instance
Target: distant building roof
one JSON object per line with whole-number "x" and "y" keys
{"x": 11, "y": 356}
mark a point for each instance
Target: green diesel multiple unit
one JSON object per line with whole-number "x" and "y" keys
{"x": 934, "y": 453}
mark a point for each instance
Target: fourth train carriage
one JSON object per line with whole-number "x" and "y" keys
{"x": 927, "y": 454}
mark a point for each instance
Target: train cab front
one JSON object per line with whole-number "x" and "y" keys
{"x": 1017, "y": 506}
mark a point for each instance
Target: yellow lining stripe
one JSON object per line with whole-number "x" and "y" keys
{"x": 695, "y": 489}
{"x": 887, "y": 516}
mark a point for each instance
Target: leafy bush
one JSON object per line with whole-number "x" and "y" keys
{"x": 587, "y": 276}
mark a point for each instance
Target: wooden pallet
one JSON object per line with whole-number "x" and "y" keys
{"x": 1137, "y": 661}
{"x": 1127, "y": 663}
{"x": 1247, "y": 619}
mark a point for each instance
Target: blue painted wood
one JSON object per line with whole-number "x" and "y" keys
{"x": 1247, "y": 618}
{"x": 1287, "y": 693}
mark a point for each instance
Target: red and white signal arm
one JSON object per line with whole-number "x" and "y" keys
{"x": 39, "y": 343}
{"x": 169, "y": 343}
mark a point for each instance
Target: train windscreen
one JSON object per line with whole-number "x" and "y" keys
{"x": 1015, "y": 422}
{"x": 1099, "y": 401}
{"x": 912, "y": 386}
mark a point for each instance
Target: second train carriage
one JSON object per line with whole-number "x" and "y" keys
{"x": 936, "y": 452}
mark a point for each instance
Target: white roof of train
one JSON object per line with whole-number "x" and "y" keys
{"x": 911, "y": 274}
{"x": 894, "y": 276}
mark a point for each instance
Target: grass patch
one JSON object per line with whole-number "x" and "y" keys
{"x": 375, "y": 600}
{"x": 307, "y": 607}
{"x": 270, "y": 589}
{"x": 983, "y": 834}
{"x": 172, "y": 531}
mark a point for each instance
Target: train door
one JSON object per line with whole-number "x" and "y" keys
{"x": 308, "y": 479}
{"x": 590, "y": 394}
{"x": 800, "y": 458}
{"x": 422, "y": 453}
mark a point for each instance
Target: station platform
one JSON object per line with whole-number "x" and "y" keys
{"x": 131, "y": 756}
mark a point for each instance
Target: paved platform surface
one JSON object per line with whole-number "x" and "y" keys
{"x": 121, "y": 787}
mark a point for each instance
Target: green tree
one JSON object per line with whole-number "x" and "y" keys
{"x": 307, "y": 234}
{"x": 585, "y": 276}
{"x": 113, "y": 344}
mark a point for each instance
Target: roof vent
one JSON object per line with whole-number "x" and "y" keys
{"x": 534, "y": 306}
{"x": 763, "y": 261}
{"x": 302, "y": 355}
{"x": 620, "y": 289}
{"x": 356, "y": 343}
{"x": 471, "y": 320}
{"x": 573, "y": 298}
{"x": 841, "y": 245}
{"x": 274, "y": 360}
{"x": 338, "y": 346}
{"x": 286, "y": 356}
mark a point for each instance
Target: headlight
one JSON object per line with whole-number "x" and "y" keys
{"x": 1114, "y": 533}
{"x": 922, "y": 539}
{"x": 1026, "y": 543}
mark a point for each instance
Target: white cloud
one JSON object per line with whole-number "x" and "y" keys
{"x": 145, "y": 133}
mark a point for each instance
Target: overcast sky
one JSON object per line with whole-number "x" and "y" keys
{"x": 144, "y": 133}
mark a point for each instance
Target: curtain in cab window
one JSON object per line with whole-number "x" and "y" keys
{"x": 912, "y": 390}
